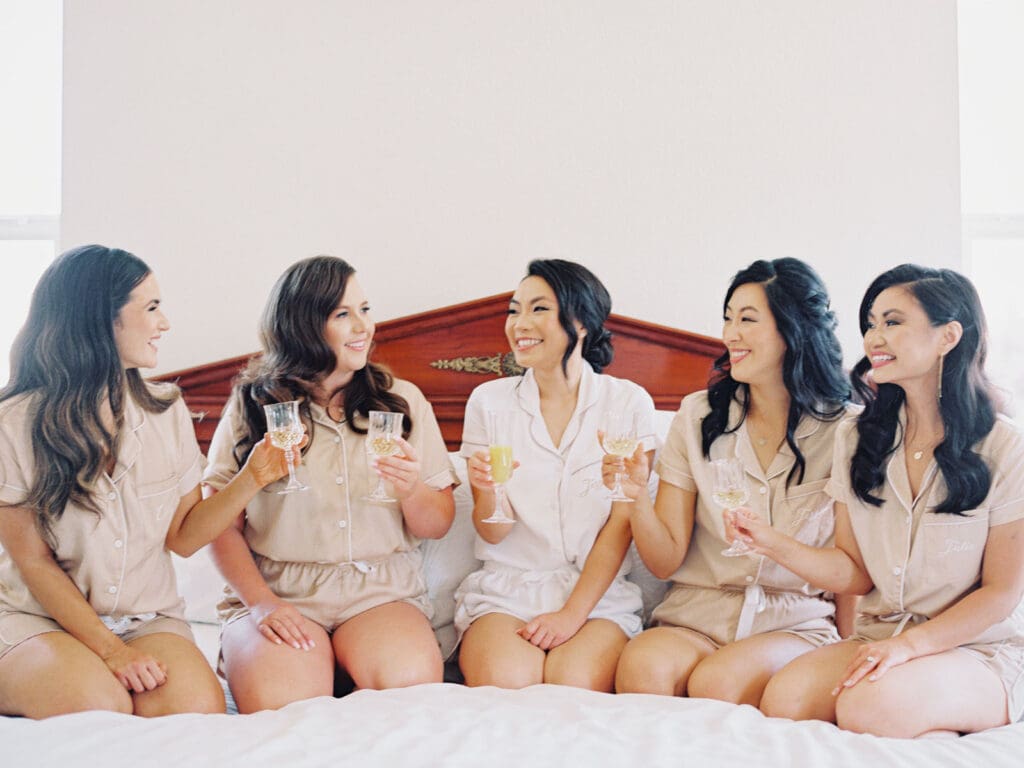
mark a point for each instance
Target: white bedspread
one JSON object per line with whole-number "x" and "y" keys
{"x": 452, "y": 725}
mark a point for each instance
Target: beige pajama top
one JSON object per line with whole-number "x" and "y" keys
{"x": 729, "y": 598}
{"x": 118, "y": 558}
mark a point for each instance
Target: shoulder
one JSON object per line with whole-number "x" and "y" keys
{"x": 1004, "y": 444}
{"x": 16, "y": 413}
{"x": 619, "y": 389}
{"x": 829, "y": 428}
{"x": 496, "y": 389}
{"x": 408, "y": 390}
{"x": 695, "y": 405}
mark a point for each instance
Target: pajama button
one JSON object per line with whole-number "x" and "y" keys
{"x": 111, "y": 495}
{"x": 112, "y": 590}
{"x": 342, "y": 523}
{"x": 337, "y": 439}
{"x": 762, "y": 490}
{"x": 750, "y": 579}
{"x": 118, "y": 543}
{"x": 897, "y": 571}
{"x": 339, "y": 480}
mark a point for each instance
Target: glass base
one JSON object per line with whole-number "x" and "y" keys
{"x": 382, "y": 499}
{"x": 496, "y": 518}
{"x": 621, "y": 497}
{"x": 292, "y": 488}
{"x": 738, "y": 550}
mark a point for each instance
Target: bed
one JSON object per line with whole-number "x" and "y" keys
{"x": 447, "y": 352}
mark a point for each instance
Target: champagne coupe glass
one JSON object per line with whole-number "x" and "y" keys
{"x": 620, "y": 439}
{"x": 499, "y": 440}
{"x": 285, "y": 428}
{"x": 381, "y": 440}
{"x": 729, "y": 492}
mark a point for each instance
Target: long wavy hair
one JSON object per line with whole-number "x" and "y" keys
{"x": 967, "y": 405}
{"x": 812, "y": 368}
{"x": 581, "y": 298}
{"x": 66, "y": 357}
{"x": 296, "y": 357}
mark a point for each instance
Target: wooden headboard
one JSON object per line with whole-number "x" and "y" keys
{"x": 447, "y": 352}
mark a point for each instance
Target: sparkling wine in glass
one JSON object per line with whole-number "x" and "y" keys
{"x": 382, "y": 440}
{"x": 620, "y": 439}
{"x": 730, "y": 491}
{"x": 285, "y": 428}
{"x": 499, "y": 439}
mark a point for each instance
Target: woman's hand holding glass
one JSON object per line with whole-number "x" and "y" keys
{"x": 631, "y": 472}
{"x": 285, "y": 429}
{"x": 281, "y": 623}
{"x": 136, "y": 671}
{"x": 401, "y": 469}
{"x": 267, "y": 463}
{"x": 550, "y": 630}
{"x": 479, "y": 469}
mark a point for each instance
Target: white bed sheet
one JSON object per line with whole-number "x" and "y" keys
{"x": 451, "y": 725}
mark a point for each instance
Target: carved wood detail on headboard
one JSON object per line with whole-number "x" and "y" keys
{"x": 447, "y": 352}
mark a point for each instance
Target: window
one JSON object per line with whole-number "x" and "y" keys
{"x": 30, "y": 92}
{"x": 992, "y": 178}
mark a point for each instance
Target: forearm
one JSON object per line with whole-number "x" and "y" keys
{"x": 208, "y": 517}
{"x": 63, "y": 601}
{"x": 484, "y": 503}
{"x": 826, "y": 568}
{"x": 661, "y": 552}
{"x": 428, "y": 512}
{"x": 232, "y": 556}
{"x": 963, "y": 621}
{"x": 601, "y": 566}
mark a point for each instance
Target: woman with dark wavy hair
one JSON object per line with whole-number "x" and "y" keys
{"x": 326, "y": 578}
{"x": 773, "y": 403}
{"x": 551, "y": 604}
{"x": 929, "y": 527}
{"x": 99, "y": 480}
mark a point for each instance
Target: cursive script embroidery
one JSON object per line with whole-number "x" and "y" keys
{"x": 588, "y": 483}
{"x": 956, "y": 545}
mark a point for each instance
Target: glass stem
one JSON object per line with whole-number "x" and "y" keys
{"x": 290, "y": 458}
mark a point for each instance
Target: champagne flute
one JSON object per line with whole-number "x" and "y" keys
{"x": 499, "y": 440}
{"x": 730, "y": 491}
{"x": 620, "y": 439}
{"x": 382, "y": 440}
{"x": 285, "y": 428}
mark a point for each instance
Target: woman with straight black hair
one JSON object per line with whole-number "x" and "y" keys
{"x": 551, "y": 603}
{"x": 771, "y": 407}
{"x": 929, "y": 493}
{"x": 326, "y": 578}
{"x": 99, "y": 480}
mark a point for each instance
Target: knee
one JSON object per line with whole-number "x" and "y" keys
{"x": 501, "y": 673}
{"x": 861, "y": 711}
{"x": 786, "y": 696}
{"x": 640, "y": 671}
{"x": 416, "y": 668}
{"x": 710, "y": 681}
{"x": 111, "y": 697}
{"x": 563, "y": 670}
{"x": 208, "y": 700}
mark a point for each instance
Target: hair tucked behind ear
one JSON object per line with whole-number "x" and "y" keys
{"x": 581, "y": 298}
{"x": 65, "y": 355}
{"x": 812, "y": 368}
{"x": 967, "y": 404}
{"x": 296, "y": 357}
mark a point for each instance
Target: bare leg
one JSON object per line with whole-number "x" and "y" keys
{"x": 493, "y": 654}
{"x": 389, "y": 646}
{"x": 660, "y": 660}
{"x": 191, "y": 685}
{"x": 264, "y": 675}
{"x": 588, "y": 659}
{"x": 949, "y": 691}
{"x": 55, "y": 674}
{"x": 738, "y": 672}
{"x": 802, "y": 690}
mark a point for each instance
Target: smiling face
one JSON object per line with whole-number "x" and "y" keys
{"x": 349, "y": 330}
{"x": 533, "y": 329}
{"x": 901, "y": 342}
{"x": 756, "y": 348}
{"x": 139, "y": 324}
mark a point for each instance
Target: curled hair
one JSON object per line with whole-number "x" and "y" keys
{"x": 812, "y": 368}
{"x": 967, "y": 405}
{"x": 581, "y": 298}
{"x": 66, "y": 357}
{"x": 296, "y": 357}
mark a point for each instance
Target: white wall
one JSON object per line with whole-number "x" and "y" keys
{"x": 441, "y": 145}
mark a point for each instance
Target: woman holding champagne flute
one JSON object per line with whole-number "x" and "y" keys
{"x": 330, "y": 574}
{"x": 99, "y": 482}
{"x": 929, "y": 528}
{"x": 760, "y": 435}
{"x": 551, "y": 603}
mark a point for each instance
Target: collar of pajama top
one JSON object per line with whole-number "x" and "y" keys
{"x": 802, "y": 510}
{"x": 557, "y": 491}
{"x": 922, "y": 561}
{"x": 118, "y": 559}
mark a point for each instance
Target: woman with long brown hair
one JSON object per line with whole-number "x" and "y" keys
{"x": 325, "y": 578}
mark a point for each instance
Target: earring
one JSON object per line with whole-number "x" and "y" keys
{"x": 941, "y": 359}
